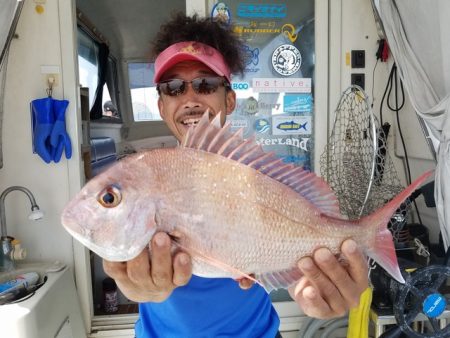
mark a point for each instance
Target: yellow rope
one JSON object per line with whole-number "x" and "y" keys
{"x": 358, "y": 319}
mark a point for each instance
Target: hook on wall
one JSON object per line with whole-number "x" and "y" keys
{"x": 51, "y": 77}
{"x": 50, "y": 83}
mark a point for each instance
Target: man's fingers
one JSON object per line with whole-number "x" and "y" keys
{"x": 344, "y": 286}
{"x": 161, "y": 261}
{"x": 347, "y": 277}
{"x": 315, "y": 306}
{"x": 329, "y": 287}
{"x": 182, "y": 269}
{"x": 358, "y": 267}
{"x": 245, "y": 283}
{"x": 310, "y": 300}
{"x": 154, "y": 273}
{"x": 115, "y": 270}
{"x": 329, "y": 292}
{"x": 138, "y": 269}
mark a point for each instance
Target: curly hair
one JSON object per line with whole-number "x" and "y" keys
{"x": 205, "y": 30}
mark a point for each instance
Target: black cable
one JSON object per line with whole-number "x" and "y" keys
{"x": 373, "y": 83}
{"x": 384, "y": 96}
{"x": 393, "y": 82}
{"x": 392, "y": 76}
{"x": 396, "y": 109}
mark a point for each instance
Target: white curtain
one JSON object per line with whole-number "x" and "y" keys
{"x": 417, "y": 32}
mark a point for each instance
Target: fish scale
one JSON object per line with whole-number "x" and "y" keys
{"x": 238, "y": 211}
{"x": 278, "y": 229}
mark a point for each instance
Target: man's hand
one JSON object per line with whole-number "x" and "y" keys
{"x": 151, "y": 278}
{"x": 330, "y": 288}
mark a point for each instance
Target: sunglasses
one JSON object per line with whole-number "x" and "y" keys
{"x": 200, "y": 85}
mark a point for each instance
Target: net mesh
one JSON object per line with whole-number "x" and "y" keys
{"x": 356, "y": 163}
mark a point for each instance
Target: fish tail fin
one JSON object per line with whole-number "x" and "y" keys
{"x": 383, "y": 250}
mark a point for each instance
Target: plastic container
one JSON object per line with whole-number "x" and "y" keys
{"x": 110, "y": 297}
{"x": 24, "y": 280}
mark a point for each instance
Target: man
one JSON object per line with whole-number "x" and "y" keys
{"x": 110, "y": 110}
{"x": 196, "y": 58}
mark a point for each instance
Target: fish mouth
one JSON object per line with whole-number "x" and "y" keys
{"x": 111, "y": 252}
{"x": 67, "y": 220}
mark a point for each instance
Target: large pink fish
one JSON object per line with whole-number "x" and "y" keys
{"x": 236, "y": 209}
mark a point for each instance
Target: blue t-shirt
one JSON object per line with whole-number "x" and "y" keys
{"x": 207, "y": 308}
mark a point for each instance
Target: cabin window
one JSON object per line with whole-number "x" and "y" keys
{"x": 144, "y": 97}
{"x": 88, "y": 69}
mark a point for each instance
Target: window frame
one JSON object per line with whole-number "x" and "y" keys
{"x": 113, "y": 93}
{"x": 146, "y": 79}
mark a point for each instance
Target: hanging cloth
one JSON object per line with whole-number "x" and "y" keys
{"x": 97, "y": 108}
{"x": 417, "y": 33}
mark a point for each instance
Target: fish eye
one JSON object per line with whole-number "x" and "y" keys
{"x": 110, "y": 197}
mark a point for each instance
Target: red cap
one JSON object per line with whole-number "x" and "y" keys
{"x": 191, "y": 51}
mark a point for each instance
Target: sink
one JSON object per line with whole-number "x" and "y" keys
{"x": 52, "y": 311}
{"x": 40, "y": 267}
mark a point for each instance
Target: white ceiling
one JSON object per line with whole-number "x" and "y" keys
{"x": 129, "y": 25}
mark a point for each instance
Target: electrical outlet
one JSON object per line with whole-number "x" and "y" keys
{"x": 358, "y": 58}
{"x": 358, "y": 79}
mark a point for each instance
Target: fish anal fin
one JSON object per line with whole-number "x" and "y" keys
{"x": 279, "y": 279}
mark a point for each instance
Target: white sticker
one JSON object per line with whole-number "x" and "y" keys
{"x": 276, "y": 85}
{"x": 286, "y": 60}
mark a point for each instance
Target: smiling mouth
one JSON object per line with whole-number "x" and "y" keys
{"x": 191, "y": 119}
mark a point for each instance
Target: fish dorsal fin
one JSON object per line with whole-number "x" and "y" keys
{"x": 211, "y": 137}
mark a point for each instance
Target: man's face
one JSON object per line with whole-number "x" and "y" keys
{"x": 180, "y": 112}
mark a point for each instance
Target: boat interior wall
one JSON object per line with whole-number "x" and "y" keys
{"x": 128, "y": 29}
{"x": 39, "y": 42}
{"x": 9, "y": 16}
{"x": 359, "y": 35}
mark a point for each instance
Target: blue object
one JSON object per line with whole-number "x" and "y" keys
{"x": 43, "y": 120}
{"x": 59, "y": 138}
{"x": 434, "y": 305}
{"x": 23, "y": 280}
{"x": 210, "y": 307}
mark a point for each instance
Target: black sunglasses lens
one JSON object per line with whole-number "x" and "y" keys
{"x": 206, "y": 85}
{"x": 173, "y": 87}
{"x": 201, "y": 85}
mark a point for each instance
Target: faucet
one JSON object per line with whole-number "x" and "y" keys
{"x": 6, "y": 251}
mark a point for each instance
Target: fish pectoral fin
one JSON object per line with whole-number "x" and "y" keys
{"x": 279, "y": 279}
{"x": 235, "y": 273}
